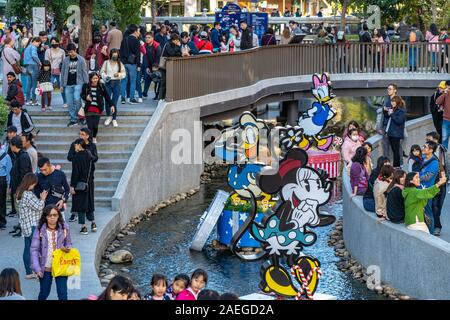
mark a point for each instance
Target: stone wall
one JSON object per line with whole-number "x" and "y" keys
{"x": 412, "y": 262}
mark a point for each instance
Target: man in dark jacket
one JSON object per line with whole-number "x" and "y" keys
{"x": 151, "y": 63}
{"x": 172, "y": 49}
{"x": 215, "y": 37}
{"x": 246, "y": 37}
{"x": 21, "y": 166}
{"x": 19, "y": 118}
{"x": 436, "y": 110}
{"x": 15, "y": 91}
{"x": 130, "y": 56}
{"x": 188, "y": 47}
{"x": 161, "y": 36}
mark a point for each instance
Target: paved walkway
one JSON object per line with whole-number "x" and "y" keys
{"x": 11, "y": 249}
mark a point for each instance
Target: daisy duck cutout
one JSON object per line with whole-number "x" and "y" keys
{"x": 314, "y": 120}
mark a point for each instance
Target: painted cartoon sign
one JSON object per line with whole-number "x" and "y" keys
{"x": 301, "y": 190}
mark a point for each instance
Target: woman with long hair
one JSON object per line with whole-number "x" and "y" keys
{"x": 286, "y": 36}
{"x": 396, "y": 127}
{"x": 119, "y": 288}
{"x": 30, "y": 211}
{"x": 359, "y": 178}
{"x": 351, "y": 143}
{"x": 368, "y": 199}
{"x": 395, "y": 204}
{"x": 51, "y": 234}
{"x": 82, "y": 174}
{"x": 112, "y": 73}
{"x": 96, "y": 98}
{"x": 10, "y": 288}
{"x": 416, "y": 199}
{"x": 379, "y": 189}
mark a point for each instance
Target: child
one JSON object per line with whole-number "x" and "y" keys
{"x": 199, "y": 279}
{"x": 180, "y": 283}
{"x": 159, "y": 287}
{"x": 45, "y": 85}
{"x": 415, "y": 158}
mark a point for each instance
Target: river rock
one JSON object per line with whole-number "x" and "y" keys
{"x": 120, "y": 236}
{"x": 131, "y": 233}
{"x": 379, "y": 289}
{"x": 125, "y": 270}
{"x": 121, "y": 256}
{"x": 404, "y": 297}
{"x": 109, "y": 276}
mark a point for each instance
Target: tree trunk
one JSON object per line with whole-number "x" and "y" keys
{"x": 154, "y": 11}
{"x": 86, "y": 13}
{"x": 343, "y": 14}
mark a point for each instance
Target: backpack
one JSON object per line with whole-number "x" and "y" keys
{"x": 413, "y": 36}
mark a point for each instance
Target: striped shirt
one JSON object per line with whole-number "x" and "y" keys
{"x": 30, "y": 211}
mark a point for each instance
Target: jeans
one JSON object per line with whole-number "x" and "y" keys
{"x": 113, "y": 88}
{"x": 33, "y": 70}
{"x": 445, "y": 133}
{"x": 73, "y": 98}
{"x": 46, "y": 286}
{"x": 434, "y": 61}
{"x": 395, "y": 145}
{"x": 27, "y": 253}
{"x": 57, "y": 79}
{"x": 413, "y": 53}
{"x": 429, "y": 213}
{"x": 83, "y": 215}
{"x": 25, "y": 78}
{"x": 438, "y": 202}
{"x": 369, "y": 204}
{"x": 131, "y": 77}
{"x": 138, "y": 83}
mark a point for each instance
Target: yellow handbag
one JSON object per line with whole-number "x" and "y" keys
{"x": 66, "y": 264}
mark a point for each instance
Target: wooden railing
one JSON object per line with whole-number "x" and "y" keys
{"x": 201, "y": 75}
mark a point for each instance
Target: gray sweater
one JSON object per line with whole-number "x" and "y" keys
{"x": 82, "y": 75}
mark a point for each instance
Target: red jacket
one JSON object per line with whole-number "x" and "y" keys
{"x": 204, "y": 46}
{"x": 99, "y": 56}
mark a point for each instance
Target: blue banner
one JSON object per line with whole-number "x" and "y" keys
{"x": 259, "y": 22}
{"x": 230, "y": 15}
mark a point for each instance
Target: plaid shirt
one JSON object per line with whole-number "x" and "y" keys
{"x": 30, "y": 211}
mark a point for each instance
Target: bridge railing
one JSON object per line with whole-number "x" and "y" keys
{"x": 204, "y": 74}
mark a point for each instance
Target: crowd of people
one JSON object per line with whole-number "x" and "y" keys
{"x": 410, "y": 192}
{"x": 182, "y": 287}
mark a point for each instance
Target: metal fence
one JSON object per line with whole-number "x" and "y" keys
{"x": 201, "y": 75}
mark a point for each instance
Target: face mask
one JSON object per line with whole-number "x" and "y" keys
{"x": 355, "y": 138}
{"x": 46, "y": 68}
{"x": 55, "y": 45}
{"x": 114, "y": 58}
{"x": 97, "y": 40}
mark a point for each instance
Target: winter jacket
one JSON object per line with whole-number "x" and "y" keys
{"x": 102, "y": 98}
{"x": 429, "y": 171}
{"x": 215, "y": 39}
{"x": 395, "y": 205}
{"x": 396, "y": 124}
{"x": 444, "y": 100}
{"x": 205, "y": 47}
{"x": 25, "y": 121}
{"x": 359, "y": 178}
{"x": 268, "y": 40}
{"x": 415, "y": 202}
{"x": 187, "y": 294}
{"x": 82, "y": 75}
{"x": 379, "y": 190}
{"x": 130, "y": 46}
{"x": 81, "y": 163}
{"x": 15, "y": 92}
{"x": 99, "y": 56}
{"x": 91, "y": 147}
{"x": 21, "y": 166}
{"x": 161, "y": 39}
{"x": 40, "y": 243}
{"x": 152, "y": 54}
{"x": 348, "y": 149}
{"x": 171, "y": 50}
{"x": 246, "y": 39}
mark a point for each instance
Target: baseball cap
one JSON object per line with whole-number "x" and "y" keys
{"x": 442, "y": 85}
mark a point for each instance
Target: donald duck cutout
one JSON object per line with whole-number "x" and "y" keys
{"x": 314, "y": 120}
{"x": 240, "y": 146}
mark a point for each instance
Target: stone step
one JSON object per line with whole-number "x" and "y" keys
{"x": 68, "y": 138}
{"x": 118, "y": 164}
{"x": 101, "y": 146}
{"x": 123, "y": 111}
{"x": 73, "y": 131}
{"x": 126, "y": 120}
{"x": 103, "y": 155}
{"x": 106, "y": 182}
{"x": 114, "y": 174}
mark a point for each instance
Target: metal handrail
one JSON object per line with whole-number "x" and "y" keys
{"x": 205, "y": 74}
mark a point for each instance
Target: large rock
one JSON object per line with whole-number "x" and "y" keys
{"x": 121, "y": 256}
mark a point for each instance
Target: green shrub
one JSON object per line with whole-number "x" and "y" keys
{"x": 4, "y": 110}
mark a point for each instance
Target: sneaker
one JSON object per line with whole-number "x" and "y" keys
{"x": 73, "y": 218}
{"x": 123, "y": 101}
{"x": 65, "y": 105}
{"x": 156, "y": 98}
{"x": 31, "y": 276}
{"x": 49, "y": 108}
{"x": 139, "y": 100}
{"x": 115, "y": 124}
{"x": 93, "y": 227}
{"x": 144, "y": 97}
{"x": 29, "y": 103}
{"x": 43, "y": 109}
{"x": 84, "y": 230}
{"x": 108, "y": 121}
{"x": 72, "y": 124}
{"x": 35, "y": 103}
{"x": 133, "y": 101}
{"x": 437, "y": 232}
{"x": 18, "y": 234}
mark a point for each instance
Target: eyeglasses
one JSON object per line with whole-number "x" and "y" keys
{"x": 52, "y": 215}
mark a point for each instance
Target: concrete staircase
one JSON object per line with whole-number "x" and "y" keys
{"x": 115, "y": 145}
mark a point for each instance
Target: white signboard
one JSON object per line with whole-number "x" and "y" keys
{"x": 38, "y": 20}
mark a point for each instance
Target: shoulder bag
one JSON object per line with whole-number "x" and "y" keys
{"x": 16, "y": 66}
{"x": 83, "y": 186}
{"x": 162, "y": 59}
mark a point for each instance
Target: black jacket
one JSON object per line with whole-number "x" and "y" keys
{"x": 171, "y": 50}
{"x": 395, "y": 205}
{"x": 152, "y": 54}
{"x": 13, "y": 90}
{"x": 21, "y": 166}
{"x": 433, "y": 106}
{"x": 130, "y": 46}
{"x": 247, "y": 39}
{"x": 92, "y": 149}
{"x": 102, "y": 97}
{"x": 25, "y": 121}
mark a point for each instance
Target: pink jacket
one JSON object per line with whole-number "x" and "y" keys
{"x": 349, "y": 148}
{"x": 187, "y": 294}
